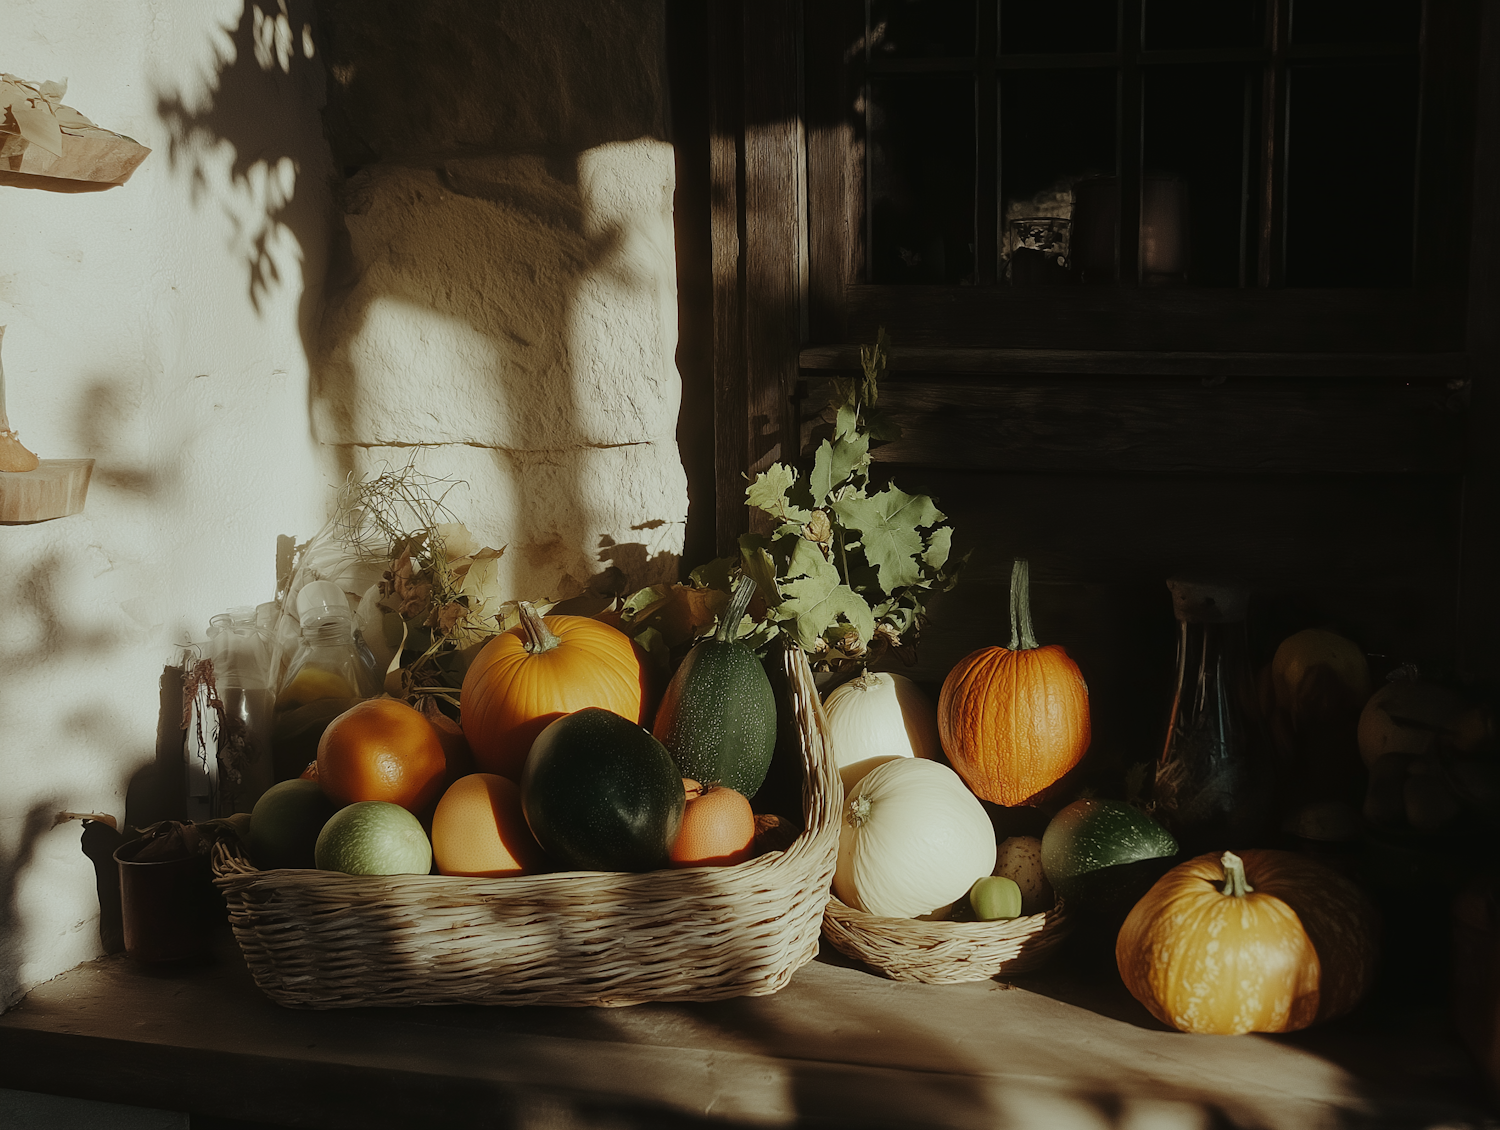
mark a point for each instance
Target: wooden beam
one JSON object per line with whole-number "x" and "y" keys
{"x": 1479, "y": 590}
{"x": 1441, "y": 367}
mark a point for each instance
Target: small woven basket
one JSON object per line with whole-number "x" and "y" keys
{"x": 319, "y": 939}
{"x": 944, "y": 953}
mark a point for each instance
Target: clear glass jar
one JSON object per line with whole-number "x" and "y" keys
{"x": 1213, "y": 786}
{"x": 229, "y": 762}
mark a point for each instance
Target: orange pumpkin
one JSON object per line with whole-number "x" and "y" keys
{"x": 1264, "y": 941}
{"x": 718, "y": 828}
{"x": 540, "y": 670}
{"x": 1014, "y": 720}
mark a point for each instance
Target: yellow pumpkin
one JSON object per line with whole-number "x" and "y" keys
{"x": 1269, "y": 941}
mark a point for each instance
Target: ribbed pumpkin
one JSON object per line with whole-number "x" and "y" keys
{"x": 1264, "y": 941}
{"x": 540, "y": 670}
{"x": 1014, "y": 720}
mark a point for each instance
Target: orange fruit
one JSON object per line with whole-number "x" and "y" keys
{"x": 718, "y": 828}
{"x": 382, "y": 749}
{"x": 479, "y": 829}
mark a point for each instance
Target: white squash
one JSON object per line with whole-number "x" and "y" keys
{"x": 876, "y": 717}
{"x": 913, "y": 840}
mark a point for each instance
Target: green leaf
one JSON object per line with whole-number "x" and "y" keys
{"x": 716, "y": 574}
{"x": 768, "y": 492}
{"x": 849, "y": 454}
{"x": 822, "y": 478}
{"x": 939, "y": 545}
{"x": 847, "y": 421}
{"x": 816, "y": 599}
{"x": 888, "y": 524}
{"x": 756, "y": 561}
{"x": 643, "y": 600}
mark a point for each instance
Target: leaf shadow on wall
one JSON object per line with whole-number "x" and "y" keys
{"x": 496, "y": 282}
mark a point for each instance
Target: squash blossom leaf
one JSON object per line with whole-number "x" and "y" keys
{"x": 768, "y": 492}
{"x": 888, "y": 525}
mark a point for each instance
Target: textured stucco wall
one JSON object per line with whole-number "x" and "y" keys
{"x": 158, "y": 328}
{"x": 479, "y": 270}
{"x": 506, "y": 292}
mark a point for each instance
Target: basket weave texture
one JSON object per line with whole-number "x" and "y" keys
{"x": 319, "y": 939}
{"x": 944, "y": 953}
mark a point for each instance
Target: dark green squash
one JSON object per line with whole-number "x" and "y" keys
{"x": 601, "y": 794}
{"x": 718, "y": 716}
{"x": 1101, "y": 851}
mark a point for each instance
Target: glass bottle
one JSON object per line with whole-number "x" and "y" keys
{"x": 229, "y": 739}
{"x": 326, "y": 675}
{"x": 1213, "y": 787}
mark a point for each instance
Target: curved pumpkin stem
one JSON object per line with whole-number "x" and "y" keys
{"x": 1022, "y": 635}
{"x": 539, "y": 637}
{"x": 729, "y": 623}
{"x": 1235, "y": 884}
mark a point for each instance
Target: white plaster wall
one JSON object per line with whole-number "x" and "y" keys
{"x": 503, "y": 306}
{"x": 158, "y": 329}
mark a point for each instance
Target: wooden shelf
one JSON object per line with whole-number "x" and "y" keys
{"x": 56, "y": 489}
{"x": 838, "y": 1047}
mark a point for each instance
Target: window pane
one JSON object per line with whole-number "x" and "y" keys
{"x": 1195, "y": 133}
{"x": 1032, "y": 27}
{"x": 1056, "y": 127}
{"x": 1351, "y": 164}
{"x": 922, "y": 179}
{"x": 913, "y": 29}
{"x": 1356, "y": 21}
{"x": 1177, "y": 24}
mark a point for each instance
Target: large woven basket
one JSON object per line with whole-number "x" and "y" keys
{"x": 318, "y": 939}
{"x": 944, "y": 953}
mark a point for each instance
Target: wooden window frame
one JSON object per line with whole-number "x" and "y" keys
{"x": 788, "y": 307}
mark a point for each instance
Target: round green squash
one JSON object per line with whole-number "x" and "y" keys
{"x": 1095, "y": 850}
{"x": 718, "y": 716}
{"x": 601, "y": 794}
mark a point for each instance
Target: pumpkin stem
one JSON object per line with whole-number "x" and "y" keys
{"x": 538, "y": 636}
{"x": 1022, "y": 635}
{"x": 859, "y": 811}
{"x": 729, "y": 623}
{"x": 1235, "y": 884}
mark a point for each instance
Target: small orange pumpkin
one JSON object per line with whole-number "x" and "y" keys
{"x": 718, "y": 828}
{"x": 1014, "y": 720}
{"x": 1264, "y": 941}
{"x": 540, "y": 670}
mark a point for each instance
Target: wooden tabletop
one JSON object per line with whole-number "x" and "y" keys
{"x": 839, "y": 1047}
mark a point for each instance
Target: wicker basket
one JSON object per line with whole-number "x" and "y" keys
{"x": 318, "y": 939}
{"x": 944, "y": 953}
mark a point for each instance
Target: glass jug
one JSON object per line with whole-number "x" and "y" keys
{"x": 1213, "y": 786}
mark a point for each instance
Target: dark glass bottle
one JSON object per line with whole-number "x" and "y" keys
{"x": 1213, "y": 787}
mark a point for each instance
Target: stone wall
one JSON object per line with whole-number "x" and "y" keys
{"x": 506, "y": 295}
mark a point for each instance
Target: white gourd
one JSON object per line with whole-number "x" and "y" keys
{"x": 912, "y": 842}
{"x": 876, "y": 717}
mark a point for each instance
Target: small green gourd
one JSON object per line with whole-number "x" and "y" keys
{"x": 718, "y": 716}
